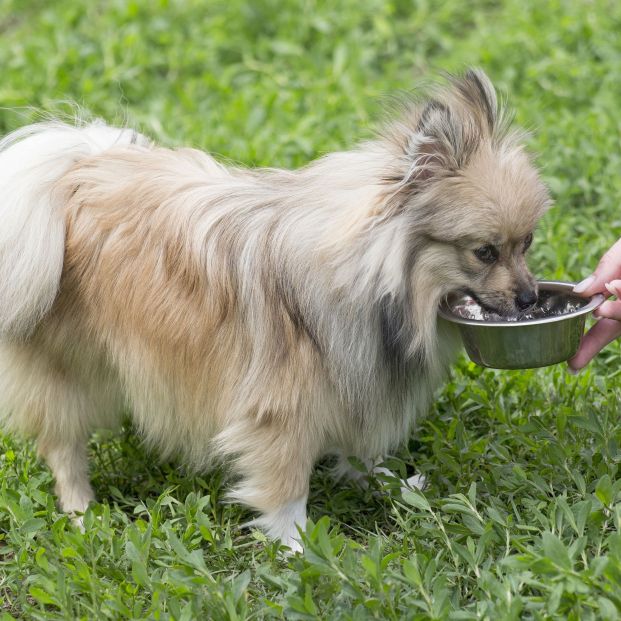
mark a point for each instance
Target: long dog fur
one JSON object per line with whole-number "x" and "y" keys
{"x": 264, "y": 318}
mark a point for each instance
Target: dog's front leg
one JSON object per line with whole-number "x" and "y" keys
{"x": 275, "y": 470}
{"x": 283, "y": 523}
{"x": 345, "y": 470}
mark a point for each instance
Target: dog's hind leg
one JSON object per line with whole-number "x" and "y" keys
{"x": 43, "y": 398}
{"x": 63, "y": 422}
{"x": 69, "y": 464}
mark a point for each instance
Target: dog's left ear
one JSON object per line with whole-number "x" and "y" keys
{"x": 432, "y": 149}
{"x": 439, "y": 139}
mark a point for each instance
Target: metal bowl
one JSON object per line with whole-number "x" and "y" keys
{"x": 525, "y": 343}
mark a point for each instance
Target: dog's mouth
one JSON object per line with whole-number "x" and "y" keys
{"x": 489, "y": 307}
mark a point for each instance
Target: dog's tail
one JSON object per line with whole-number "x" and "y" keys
{"x": 32, "y": 225}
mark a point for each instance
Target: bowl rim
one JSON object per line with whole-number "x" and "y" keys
{"x": 558, "y": 285}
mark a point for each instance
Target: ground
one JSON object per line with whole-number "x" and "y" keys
{"x": 521, "y": 516}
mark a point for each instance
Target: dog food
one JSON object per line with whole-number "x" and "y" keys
{"x": 549, "y": 304}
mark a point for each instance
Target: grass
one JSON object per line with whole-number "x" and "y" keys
{"x": 521, "y": 519}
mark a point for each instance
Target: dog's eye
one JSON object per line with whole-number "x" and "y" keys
{"x": 487, "y": 254}
{"x": 528, "y": 241}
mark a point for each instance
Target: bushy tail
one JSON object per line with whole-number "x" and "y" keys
{"x": 32, "y": 227}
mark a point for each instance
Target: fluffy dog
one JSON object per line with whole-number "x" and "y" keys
{"x": 261, "y": 317}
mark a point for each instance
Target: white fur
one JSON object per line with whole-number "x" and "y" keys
{"x": 32, "y": 234}
{"x": 284, "y": 523}
{"x": 344, "y": 470}
{"x": 70, "y": 468}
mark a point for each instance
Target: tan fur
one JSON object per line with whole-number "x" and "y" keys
{"x": 268, "y": 318}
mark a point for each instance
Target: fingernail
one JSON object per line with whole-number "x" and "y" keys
{"x": 583, "y": 285}
{"x": 611, "y": 289}
{"x": 573, "y": 371}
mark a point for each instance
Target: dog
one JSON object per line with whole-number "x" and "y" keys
{"x": 261, "y": 318}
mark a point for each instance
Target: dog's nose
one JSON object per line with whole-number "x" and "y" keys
{"x": 525, "y": 298}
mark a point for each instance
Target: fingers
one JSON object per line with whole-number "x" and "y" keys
{"x": 610, "y": 310}
{"x": 602, "y": 333}
{"x": 614, "y": 287}
{"x": 606, "y": 278}
{"x": 609, "y": 269}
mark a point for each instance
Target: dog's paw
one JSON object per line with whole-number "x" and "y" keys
{"x": 291, "y": 546}
{"x": 283, "y": 524}
{"x": 78, "y": 522}
{"x": 416, "y": 481}
{"x": 74, "y": 498}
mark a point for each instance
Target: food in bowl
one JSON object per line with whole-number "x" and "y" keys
{"x": 547, "y": 333}
{"x": 548, "y": 304}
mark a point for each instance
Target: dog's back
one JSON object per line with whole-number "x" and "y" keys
{"x": 149, "y": 312}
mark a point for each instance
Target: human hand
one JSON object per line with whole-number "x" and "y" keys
{"x": 606, "y": 278}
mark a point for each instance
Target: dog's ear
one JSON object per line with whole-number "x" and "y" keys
{"x": 431, "y": 150}
{"x": 449, "y": 128}
{"x": 475, "y": 91}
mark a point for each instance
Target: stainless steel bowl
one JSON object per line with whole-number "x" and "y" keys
{"x": 525, "y": 344}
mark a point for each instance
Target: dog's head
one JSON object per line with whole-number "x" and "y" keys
{"x": 469, "y": 194}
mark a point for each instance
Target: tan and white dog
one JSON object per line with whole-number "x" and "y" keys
{"x": 261, "y": 317}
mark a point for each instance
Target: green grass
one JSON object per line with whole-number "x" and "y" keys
{"x": 521, "y": 519}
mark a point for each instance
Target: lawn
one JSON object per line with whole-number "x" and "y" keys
{"x": 521, "y": 518}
